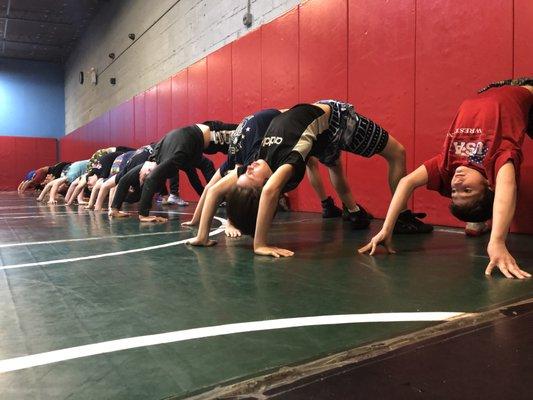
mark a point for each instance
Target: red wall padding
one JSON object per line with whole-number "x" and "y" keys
{"x": 455, "y": 55}
{"x": 246, "y": 67}
{"x": 381, "y": 88}
{"x": 405, "y": 64}
{"x": 18, "y": 155}
{"x": 523, "y": 66}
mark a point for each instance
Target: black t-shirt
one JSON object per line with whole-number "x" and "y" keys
{"x": 179, "y": 149}
{"x": 187, "y": 142}
{"x": 290, "y": 137}
{"x": 245, "y": 141}
{"x": 105, "y": 163}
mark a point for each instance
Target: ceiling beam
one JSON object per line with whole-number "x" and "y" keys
{"x": 38, "y": 21}
{"x": 5, "y": 25}
{"x": 51, "y": 46}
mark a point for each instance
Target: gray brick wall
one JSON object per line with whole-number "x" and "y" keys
{"x": 181, "y": 34}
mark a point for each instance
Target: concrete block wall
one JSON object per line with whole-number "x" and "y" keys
{"x": 176, "y": 34}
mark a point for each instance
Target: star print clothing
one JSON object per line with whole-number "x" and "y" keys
{"x": 220, "y": 136}
{"x": 246, "y": 139}
{"x": 290, "y": 138}
{"x": 349, "y": 131}
{"x": 487, "y": 131}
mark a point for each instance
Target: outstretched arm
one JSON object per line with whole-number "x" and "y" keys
{"x": 104, "y": 191}
{"x": 20, "y": 186}
{"x": 502, "y": 216}
{"x": 23, "y": 186}
{"x": 94, "y": 194}
{"x": 199, "y": 207}
{"x": 267, "y": 208}
{"x": 79, "y": 187}
{"x": 71, "y": 188}
{"x": 53, "y": 192}
{"x": 213, "y": 195}
{"x": 46, "y": 189}
{"x": 406, "y": 186}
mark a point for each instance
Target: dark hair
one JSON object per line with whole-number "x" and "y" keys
{"x": 93, "y": 171}
{"x": 477, "y": 210}
{"x": 242, "y": 206}
{"x": 522, "y": 81}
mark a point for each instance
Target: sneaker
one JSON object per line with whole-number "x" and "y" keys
{"x": 476, "y": 228}
{"x": 173, "y": 199}
{"x": 409, "y": 222}
{"x": 346, "y": 213}
{"x": 359, "y": 219}
{"x": 329, "y": 209}
{"x": 283, "y": 203}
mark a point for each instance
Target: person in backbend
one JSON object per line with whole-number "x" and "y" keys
{"x": 104, "y": 176}
{"x": 38, "y": 178}
{"x": 478, "y": 168}
{"x": 243, "y": 145}
{"x": 180, "y": 149}
{"x": 208, "y": 170}
{"x": 99, "y": 165}
{"x": 323, "y": 129}
{"x": 245, "y": 142}
{"x": 69, "y": 176}
{"x": 129, "y": 161}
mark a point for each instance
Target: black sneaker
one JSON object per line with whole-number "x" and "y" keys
{"x": 346, "y": 213}
{"x": 329, "y": 209}
{"x": 359, "y": 219}
{"x": 409, "y": 222}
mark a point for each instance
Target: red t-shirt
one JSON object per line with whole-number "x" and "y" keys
{"x": 487, "y": 131}
{"x": 39, "y": 176}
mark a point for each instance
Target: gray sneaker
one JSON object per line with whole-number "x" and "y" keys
{"x": 173, "y": 199}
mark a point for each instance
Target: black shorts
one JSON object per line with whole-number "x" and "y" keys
{"x": 351, "y": 132}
